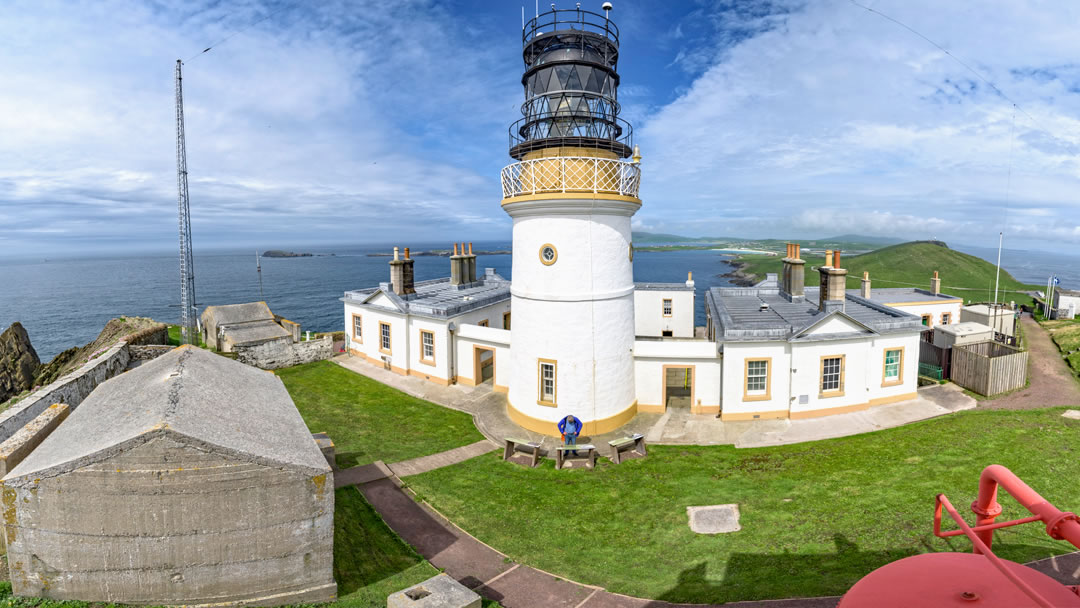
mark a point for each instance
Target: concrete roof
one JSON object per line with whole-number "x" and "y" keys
{"x": 983, "y": 309}
{"x": 229, "y": 314}
{"x": 438, "y": 298}
{"x": 738, "y": 317}
{"x": 901, "y": 295}
{"x": 259, "y": 331}
{"x": 662, "y": 287}
{"x": 964, "y": 329}
{"x": 189, "y": 393}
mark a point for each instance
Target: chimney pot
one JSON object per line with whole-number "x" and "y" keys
{"x": 406, "y": 253}
{"x": 395, "y": 253}
{"x": 455, "y": 248}
{"x": 836, "y": 259}
{"x": 828, "y": 258}
{"x": 470, "y": 248}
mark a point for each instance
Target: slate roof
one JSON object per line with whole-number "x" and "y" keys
{"x": 229, "y": 314}
{"x": 189, "y": 392}
{"x": 899, "y": 295}
{"x": 259, "y": 331}
{"x": 437, "y": 298}
{"x": 662, "y": 287}
{"x": 738, "y": 316}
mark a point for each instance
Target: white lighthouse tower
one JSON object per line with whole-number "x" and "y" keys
{"x": 571, "y": 195}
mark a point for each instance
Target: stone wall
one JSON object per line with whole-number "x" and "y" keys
{"x": 281, "y": 353}
{"x": 157, "y": 334}
{"x": 148, "y": 351}
{"x": 71, "y": 389}
{"x": 19, "y": 445}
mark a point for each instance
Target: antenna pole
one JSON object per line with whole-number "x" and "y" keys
{"x": 188, "y": 313}
{"x": 258, "y": 269}
{"x": 997, "y": 277}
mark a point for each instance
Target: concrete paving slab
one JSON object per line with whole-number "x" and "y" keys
{"x": 714, "y": 519}
{"x": 1073, "y": 414}
{"x": 362, "y": 474}
{"x": 424, "y": 464}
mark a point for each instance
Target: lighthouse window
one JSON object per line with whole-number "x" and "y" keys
{"x": 667, "y": 307}
{"x": 384, "y": 337}
{"x": 358, "y": 328}
{"x": 894, "y": 362}
{"x": 832, "y": 375}
{"x": 548, "y": 254}
{"x": 547, "y": 382}
{"x": 757, "y": 380}
{"x": 427, "y": 338}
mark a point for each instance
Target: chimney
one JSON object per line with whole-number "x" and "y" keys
{"x": 865, "y": 285}
{"x": 471, "y": 258}
{"x": 690, "y": 278}
{"x": 397, "y": 273}
{"x": 456, "y": 266}
{"x": 407, "y": 282}
{"x": 794, "y": 274}
{"x": 935, "y": 284}
{"x": 833, "y": 283}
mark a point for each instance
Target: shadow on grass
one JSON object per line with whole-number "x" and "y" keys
{"x": 365, "y": 549}
{"x": 806, "y": 575}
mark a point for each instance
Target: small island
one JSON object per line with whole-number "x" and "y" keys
{"x": 278, "y": 253}
{"x": 439, "y": 253}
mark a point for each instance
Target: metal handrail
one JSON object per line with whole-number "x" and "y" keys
{"x": 602, "y": 127}
{"x": 586, "y": 21}
{"x": 571, "y": 174}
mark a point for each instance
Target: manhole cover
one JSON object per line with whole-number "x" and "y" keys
{"x": 714, "y": 519}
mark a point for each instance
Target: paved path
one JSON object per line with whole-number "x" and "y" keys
{"x": 1052, "y": 382}
{"x": 677, "y": 426}
{"x": 424, "y": 464}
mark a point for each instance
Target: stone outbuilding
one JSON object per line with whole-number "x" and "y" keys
{"x": 191, "y": 479}
{"x": 228, "y": 326}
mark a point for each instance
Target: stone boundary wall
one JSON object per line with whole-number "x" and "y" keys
{"x": 157, "y": 334}
{"x": 281, "y": 353}
{"x": 71, "y": 389}
{"x": 148, "y": 351}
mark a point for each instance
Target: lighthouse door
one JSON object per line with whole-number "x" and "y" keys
{"x": 484, "y": 361}
{"x": 678, "y": 386}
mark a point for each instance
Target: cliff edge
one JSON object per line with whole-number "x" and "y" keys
{"x": 19, "y": 362}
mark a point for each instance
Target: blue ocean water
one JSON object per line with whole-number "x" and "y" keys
{"x": 65, "y": 302}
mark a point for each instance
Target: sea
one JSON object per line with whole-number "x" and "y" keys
{"x": 64, "y": 302}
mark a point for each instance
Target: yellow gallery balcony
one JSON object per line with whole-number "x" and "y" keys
{"x": 571, "y": 175}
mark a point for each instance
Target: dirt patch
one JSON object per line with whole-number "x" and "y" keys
{"x": 1052, "y": 382}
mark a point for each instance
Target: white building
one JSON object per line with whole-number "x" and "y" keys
{"x": 1066, "y": 303}
{"x": 931, "y": 306}
{"x": 585, "y": 339}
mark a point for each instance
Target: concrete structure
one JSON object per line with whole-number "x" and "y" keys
{"x": 1066, "y": 303}
{"x": 276, "y": 354}
{"x": 664, "y": 310}
{"x": 231, "y": 325}
{"x": 188, "y": 480}
{"x": 17, "y": 447}
{"x": 1000, "y": 318}
{"x": 714, "y": 519}
{"x": 440, "y": 591}
{"x": 962, "y": 333}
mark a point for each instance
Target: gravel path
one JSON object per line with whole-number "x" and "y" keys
{"x": 1052, "y": 382}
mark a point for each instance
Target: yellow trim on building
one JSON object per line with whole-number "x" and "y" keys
{"x": 894, "y": 399}
{"x": 550, "y": 196}
{"x": 770, "y": 415}
{"x": 595, "y": 427}
{"x": 925, "y": 303}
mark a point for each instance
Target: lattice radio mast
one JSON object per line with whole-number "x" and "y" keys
{"x": 188, "y": 314}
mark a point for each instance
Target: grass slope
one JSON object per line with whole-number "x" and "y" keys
{"x": 815, "y": 517}
{"x": 1066, "y": 335}
{"x": 370, "y": 421}
{"x": 908, "y": 265}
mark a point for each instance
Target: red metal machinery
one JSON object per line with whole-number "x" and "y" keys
{"x": 979, "y": 579}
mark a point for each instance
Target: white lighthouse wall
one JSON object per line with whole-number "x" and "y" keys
{"x": 578, "y": 312}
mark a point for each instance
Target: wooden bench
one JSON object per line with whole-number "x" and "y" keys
{"x": 589, "y": 449}
{"x": 635, "y": 443}
{"x": 523, "y": 445}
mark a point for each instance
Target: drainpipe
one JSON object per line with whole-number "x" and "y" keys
{"x": 450, "y": 352}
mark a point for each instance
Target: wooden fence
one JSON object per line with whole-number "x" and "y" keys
{"x": 935, "y": 356}
{"x": 988, "y": 368}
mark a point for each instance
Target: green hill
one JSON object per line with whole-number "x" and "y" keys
{"x": 908, "y": 265}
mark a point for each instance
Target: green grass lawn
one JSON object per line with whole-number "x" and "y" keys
{"x": 1066, "y": 335}
{"x": 815, "y": 517}
{"x": 370, "y": 421}
{"x": 909, "y": 265}
{"x": 175, "y": 337}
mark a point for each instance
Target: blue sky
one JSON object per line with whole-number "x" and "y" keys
{"x": 369, "y": 122}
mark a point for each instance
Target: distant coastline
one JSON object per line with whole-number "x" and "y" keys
{"x": 278, "y": 253}
{"x": 437, "y": 253}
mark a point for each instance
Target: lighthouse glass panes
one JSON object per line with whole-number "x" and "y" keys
{"x": 892, "y": 365}
{"x": 548, "y": 255}
{"x": 757, "y": 377}
{"x": 358, "y": 328}
{"x": 571, "y": 85}
{"x": 428, "y": 340}
{"x": 830, "y": 374}
{"x": 384, "y": 337}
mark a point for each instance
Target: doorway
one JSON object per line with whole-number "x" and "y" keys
{"x": 484, "y": 365}
{"x": 678, "y": 386}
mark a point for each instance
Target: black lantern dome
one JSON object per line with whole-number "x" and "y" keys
{"x": 571, "y": 85}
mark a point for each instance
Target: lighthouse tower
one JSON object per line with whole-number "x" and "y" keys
{"x": 571, "y": 194}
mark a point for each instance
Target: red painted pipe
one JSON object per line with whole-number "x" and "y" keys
{"x": 1060, "y": 525}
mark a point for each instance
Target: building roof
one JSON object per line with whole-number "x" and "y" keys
{"x": 905, "y": 295}
{"x": 229, "y": 314}
{"x": 1067, "y": 292}
{"x": 253, "y": 333}
{"x": 663, "y": 287}
{"x": 438, "y": 298}
{"x": 986, "y": 311}
{"x": 739, "y": 315}
{"x": 190, "y": 393}
{"x": 964, "y": 329}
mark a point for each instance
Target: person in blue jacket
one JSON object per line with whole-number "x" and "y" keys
{"x": 570, "y": 428}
